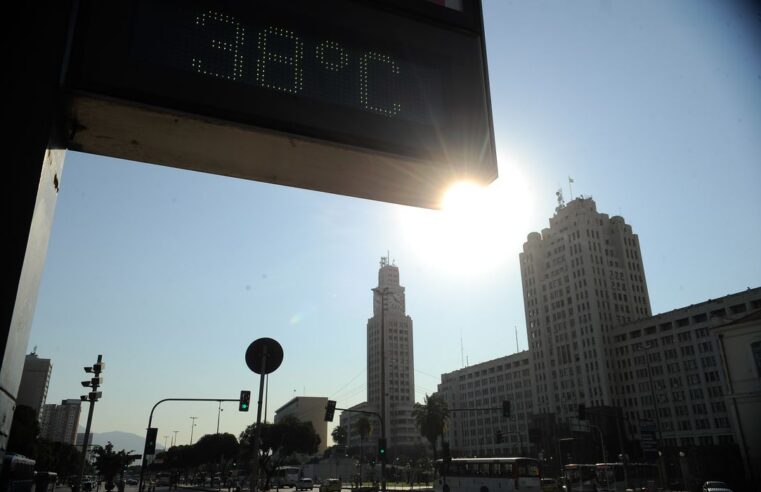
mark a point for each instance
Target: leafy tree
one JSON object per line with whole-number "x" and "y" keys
{"x": 214, "y": 447}
{"x": 109, "y": 464}
{"x": 364, "y": 427}
{"x": 59, "y": 457}
{"x": 279, "y": 442}
{"x": 339, "y": 435}
{"x": 431, "y": 418}
{"x": 24, "y": 431}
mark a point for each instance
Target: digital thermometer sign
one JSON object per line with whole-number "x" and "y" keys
{"x": 375, "y": 99}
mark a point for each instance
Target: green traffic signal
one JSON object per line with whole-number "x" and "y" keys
{"x": 245, "y": 398}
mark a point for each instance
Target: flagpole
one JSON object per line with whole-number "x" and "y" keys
{"x": 570, "y": 186}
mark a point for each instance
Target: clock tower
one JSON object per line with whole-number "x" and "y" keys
{"x": 390, "y": 354}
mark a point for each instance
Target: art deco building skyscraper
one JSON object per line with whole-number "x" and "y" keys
{"x": 581, "y": 277}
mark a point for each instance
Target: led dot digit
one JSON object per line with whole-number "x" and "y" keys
{"x": 269, "y": 46}
{"x": 230, "y": 48}
{"x": 365, "y": 95}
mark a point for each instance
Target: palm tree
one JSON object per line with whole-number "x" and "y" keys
{"x": 339, "y": 435}
{"x": 364, "y": 428}
{"x": 431, "y": 418}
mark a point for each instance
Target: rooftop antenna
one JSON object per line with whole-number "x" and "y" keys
{"x": 517, "y": 348}
{"x": 462, "y": 351}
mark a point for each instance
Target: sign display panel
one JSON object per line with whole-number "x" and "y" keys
{"x": 404, "y": 81}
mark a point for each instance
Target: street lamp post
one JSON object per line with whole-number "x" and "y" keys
{"x": 174, "y": 438}
{"x": 219, "y": 411}
{"x": 661, "y": 471}
{"x": 602, "y": 442}
{"x": 193, "y": 419}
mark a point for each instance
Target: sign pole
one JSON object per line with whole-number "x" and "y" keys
{"x": 257, "y": 429}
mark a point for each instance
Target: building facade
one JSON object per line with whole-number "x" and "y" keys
{"x": 308, "y": 409}
{"x": 390, "y": 354}
{"x": 35, "y": 379}
{"x": 668, "y": 371}
{"x": 740, "y": 350}
{"x": 60, "y": 423}
{"x": 581, "y": 277}
{"x": 474, "y": 394}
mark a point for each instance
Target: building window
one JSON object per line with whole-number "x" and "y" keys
{"x": 755, "y": 347}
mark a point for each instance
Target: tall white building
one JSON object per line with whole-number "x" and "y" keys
{"x": 581, "y": 278}
{"x": 389, "y": 337}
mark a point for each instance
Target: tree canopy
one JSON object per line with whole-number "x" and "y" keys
{"x": 431, "y": 418}
{"x": 279, "y": 442}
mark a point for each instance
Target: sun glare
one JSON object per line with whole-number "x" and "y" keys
{"x": 477, "y": 229}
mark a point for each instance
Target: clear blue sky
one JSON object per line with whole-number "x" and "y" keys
{"x": 653, "y": 107}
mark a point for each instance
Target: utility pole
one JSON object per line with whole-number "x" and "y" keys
{"x": 193, "y": 419}
{"x": 219, "y": 411}
{"x": 92, "y": 397}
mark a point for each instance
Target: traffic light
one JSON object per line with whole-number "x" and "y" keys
{"x": 582, "y": 411}
{"x": 506, "y": 408}
{"x": 150, "y": 440}
{"x": 498, "y": 437}
{"x": 245, "y": 400}
{"x": 330, "y": 410}
{"x": 381, "y": 448}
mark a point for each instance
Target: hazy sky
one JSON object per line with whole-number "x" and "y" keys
{"x": 653, "y": 107}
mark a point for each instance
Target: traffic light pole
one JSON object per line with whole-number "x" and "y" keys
{"x": 144, "y": 462}
{"x": 383, "y": 433}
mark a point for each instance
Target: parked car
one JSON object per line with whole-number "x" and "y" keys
{"x": 131, "y": 481}
{"x": 304, "y": 484}
{"x": 331, "y": 485}
{"x": 715, "y": 486}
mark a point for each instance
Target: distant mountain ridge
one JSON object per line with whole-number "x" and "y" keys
{"x": 121, "y": 440}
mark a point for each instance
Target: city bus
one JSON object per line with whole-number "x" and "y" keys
{"x": 17, "y": 474}
{"x": 613, "y": 477}
{"x": 286, "y": 476}
{"x": 488, "y": 475}
{"x": 579, "y": 478}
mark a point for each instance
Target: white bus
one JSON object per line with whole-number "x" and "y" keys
{"x": 579, "y": 478}
{"x": 286, "y": 476}
{"x": 611, "y": 477}
{"x": 488, "y": 475}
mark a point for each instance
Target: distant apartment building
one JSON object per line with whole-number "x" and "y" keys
{"x": 60, "y": 423}
{"x": 308, "y": 409}
{"x": 668, "y": 371}
{"x": 476, "y": 394}
{"x": 349, "y": 422}
{"x": 582, "y": 277}
{"x": 389, "y": 338}
{"x": 33, "y": 389}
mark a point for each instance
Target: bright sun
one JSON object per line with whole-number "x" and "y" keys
{"x": 477, "y": 229}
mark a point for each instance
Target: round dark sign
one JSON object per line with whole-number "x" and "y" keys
{"x": 264, "y": 355}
